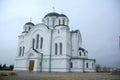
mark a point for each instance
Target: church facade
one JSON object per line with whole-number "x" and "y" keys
{"x": 51, "y": 46}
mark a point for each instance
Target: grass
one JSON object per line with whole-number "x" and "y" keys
{"x": 8, "y": 74}
{"x": 61, "y": 76}
{"x": 12, "y": 74}
{"x": 3, "y": 74}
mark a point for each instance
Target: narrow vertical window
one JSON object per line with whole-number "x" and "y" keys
{"x": 71, "y": 65}
{"x": 56, "y": 47}
{"x": 47, "y": 21}
{"x": 92, "y": 65}
{"x": 20, "y": 50}
{"x": 79, "y": 53}
{"x": 53, "y": 21}
{"x": 41, "y": 43}
{"x": 29, "y": 28}
{"x": 33, "y": 43}
{"x": 59, "y": 21}
{"x": 86, "y": 65}
{"x": 63, "y": 21}
{"x": 25, "y": 28}
{"x": 37, "y": 41}
{"x": 60, "y": 48}
{"x": 23, "y": 51}
{"x": 84, "y": 53}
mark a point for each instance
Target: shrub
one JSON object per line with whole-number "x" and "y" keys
{"x": 11, "y": 67}
{"x": 3, "y": 74}
{"x": 12, "y": 73}
{"x": 0, "y": 66}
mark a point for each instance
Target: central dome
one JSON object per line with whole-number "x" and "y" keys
{"x": 52, "y": 14}
{"x": 54, "y": 19}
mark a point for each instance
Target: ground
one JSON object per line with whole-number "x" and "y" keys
{"x": 60, "y": 76}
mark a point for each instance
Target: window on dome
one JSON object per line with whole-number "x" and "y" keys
{"x": 63, "y": 21}
{"x": 47, "y": 21}
{"x": 79, "y": 53}
{"x": 53, "y": 21}
{"x": 25, "y": 28}
{"x": 29, "y": 28}
{"x": 84, "y": 53}
{"x": 59, "y": 21}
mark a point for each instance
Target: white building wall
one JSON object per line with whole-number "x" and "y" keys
{"x": 71, "y": 42}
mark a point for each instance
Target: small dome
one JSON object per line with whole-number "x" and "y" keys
{"x": 29, "y": 23}
{"x": 62, "y": 15}
{"x": 52, "y": 14}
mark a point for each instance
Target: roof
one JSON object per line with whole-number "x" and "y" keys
{"x": 82, "y": 49}
{"x": 52, "y": 14}
{"x": 75, "y": 31}
{"x": 29, "y": 23}
{"x": 63, "y": 15}
{"x": 55, "y": 14}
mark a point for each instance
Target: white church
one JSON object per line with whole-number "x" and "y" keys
{"x": 51, "y": 46}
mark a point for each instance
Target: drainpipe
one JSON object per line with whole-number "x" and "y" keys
{"x": 83, "y": 65}
{"x": 50, "y": 50}
{"x": 41, "y": 62}
{"x": 70, "y": 52}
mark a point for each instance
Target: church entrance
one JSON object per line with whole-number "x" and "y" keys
{"x": 31, "y": 65}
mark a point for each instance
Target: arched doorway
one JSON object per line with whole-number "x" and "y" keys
{"x": 31, "y": 65}
{"x": 31, "y": 62}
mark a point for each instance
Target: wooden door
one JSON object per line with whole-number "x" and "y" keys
{"x": 31, "y": 65}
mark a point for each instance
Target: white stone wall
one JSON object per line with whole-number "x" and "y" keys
{"x": 49, "y": 30}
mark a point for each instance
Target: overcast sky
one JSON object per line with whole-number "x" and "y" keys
{"x": 97, "y": 20}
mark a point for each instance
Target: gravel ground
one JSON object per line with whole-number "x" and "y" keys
{"x": 60, "y": 76}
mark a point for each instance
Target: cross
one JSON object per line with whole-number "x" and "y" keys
{"x": 61, "y": 11}
{"x": 53, "y": 9}
{"x": 30, "y": 19}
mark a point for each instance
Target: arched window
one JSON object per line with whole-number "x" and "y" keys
{"x": 71, "y": 65}
{"x": 92, "y": 65}
{"x": 56, "y": 48}
{"x": 79, "y": 53}
{"x": 60, "y": 48}
{"x": 23, "y": 50}
{"x": 37, "y": 41}
{"x": 41, "y": 43}
{"x": 84, "y": 53}
{"x": 20, "y": 50}
{"x": 25, "y": 28}
{"x": 53, "y": 21}
{"x": 33, "y": 43}
{"x": 63, "y": 21}
{"x": 29, "y": 27}
{"x": 86, "y": 65}
{"x": 47, "y": 21}
{"x": 59, "y": 21}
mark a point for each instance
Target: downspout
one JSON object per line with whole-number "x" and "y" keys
{"x": 41, "y": 59}
{"x": 50, "y": 50}
{"x": 41, "y": 62}
{"x": 71, "y": 52}
{"x": 83, "y": 65}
